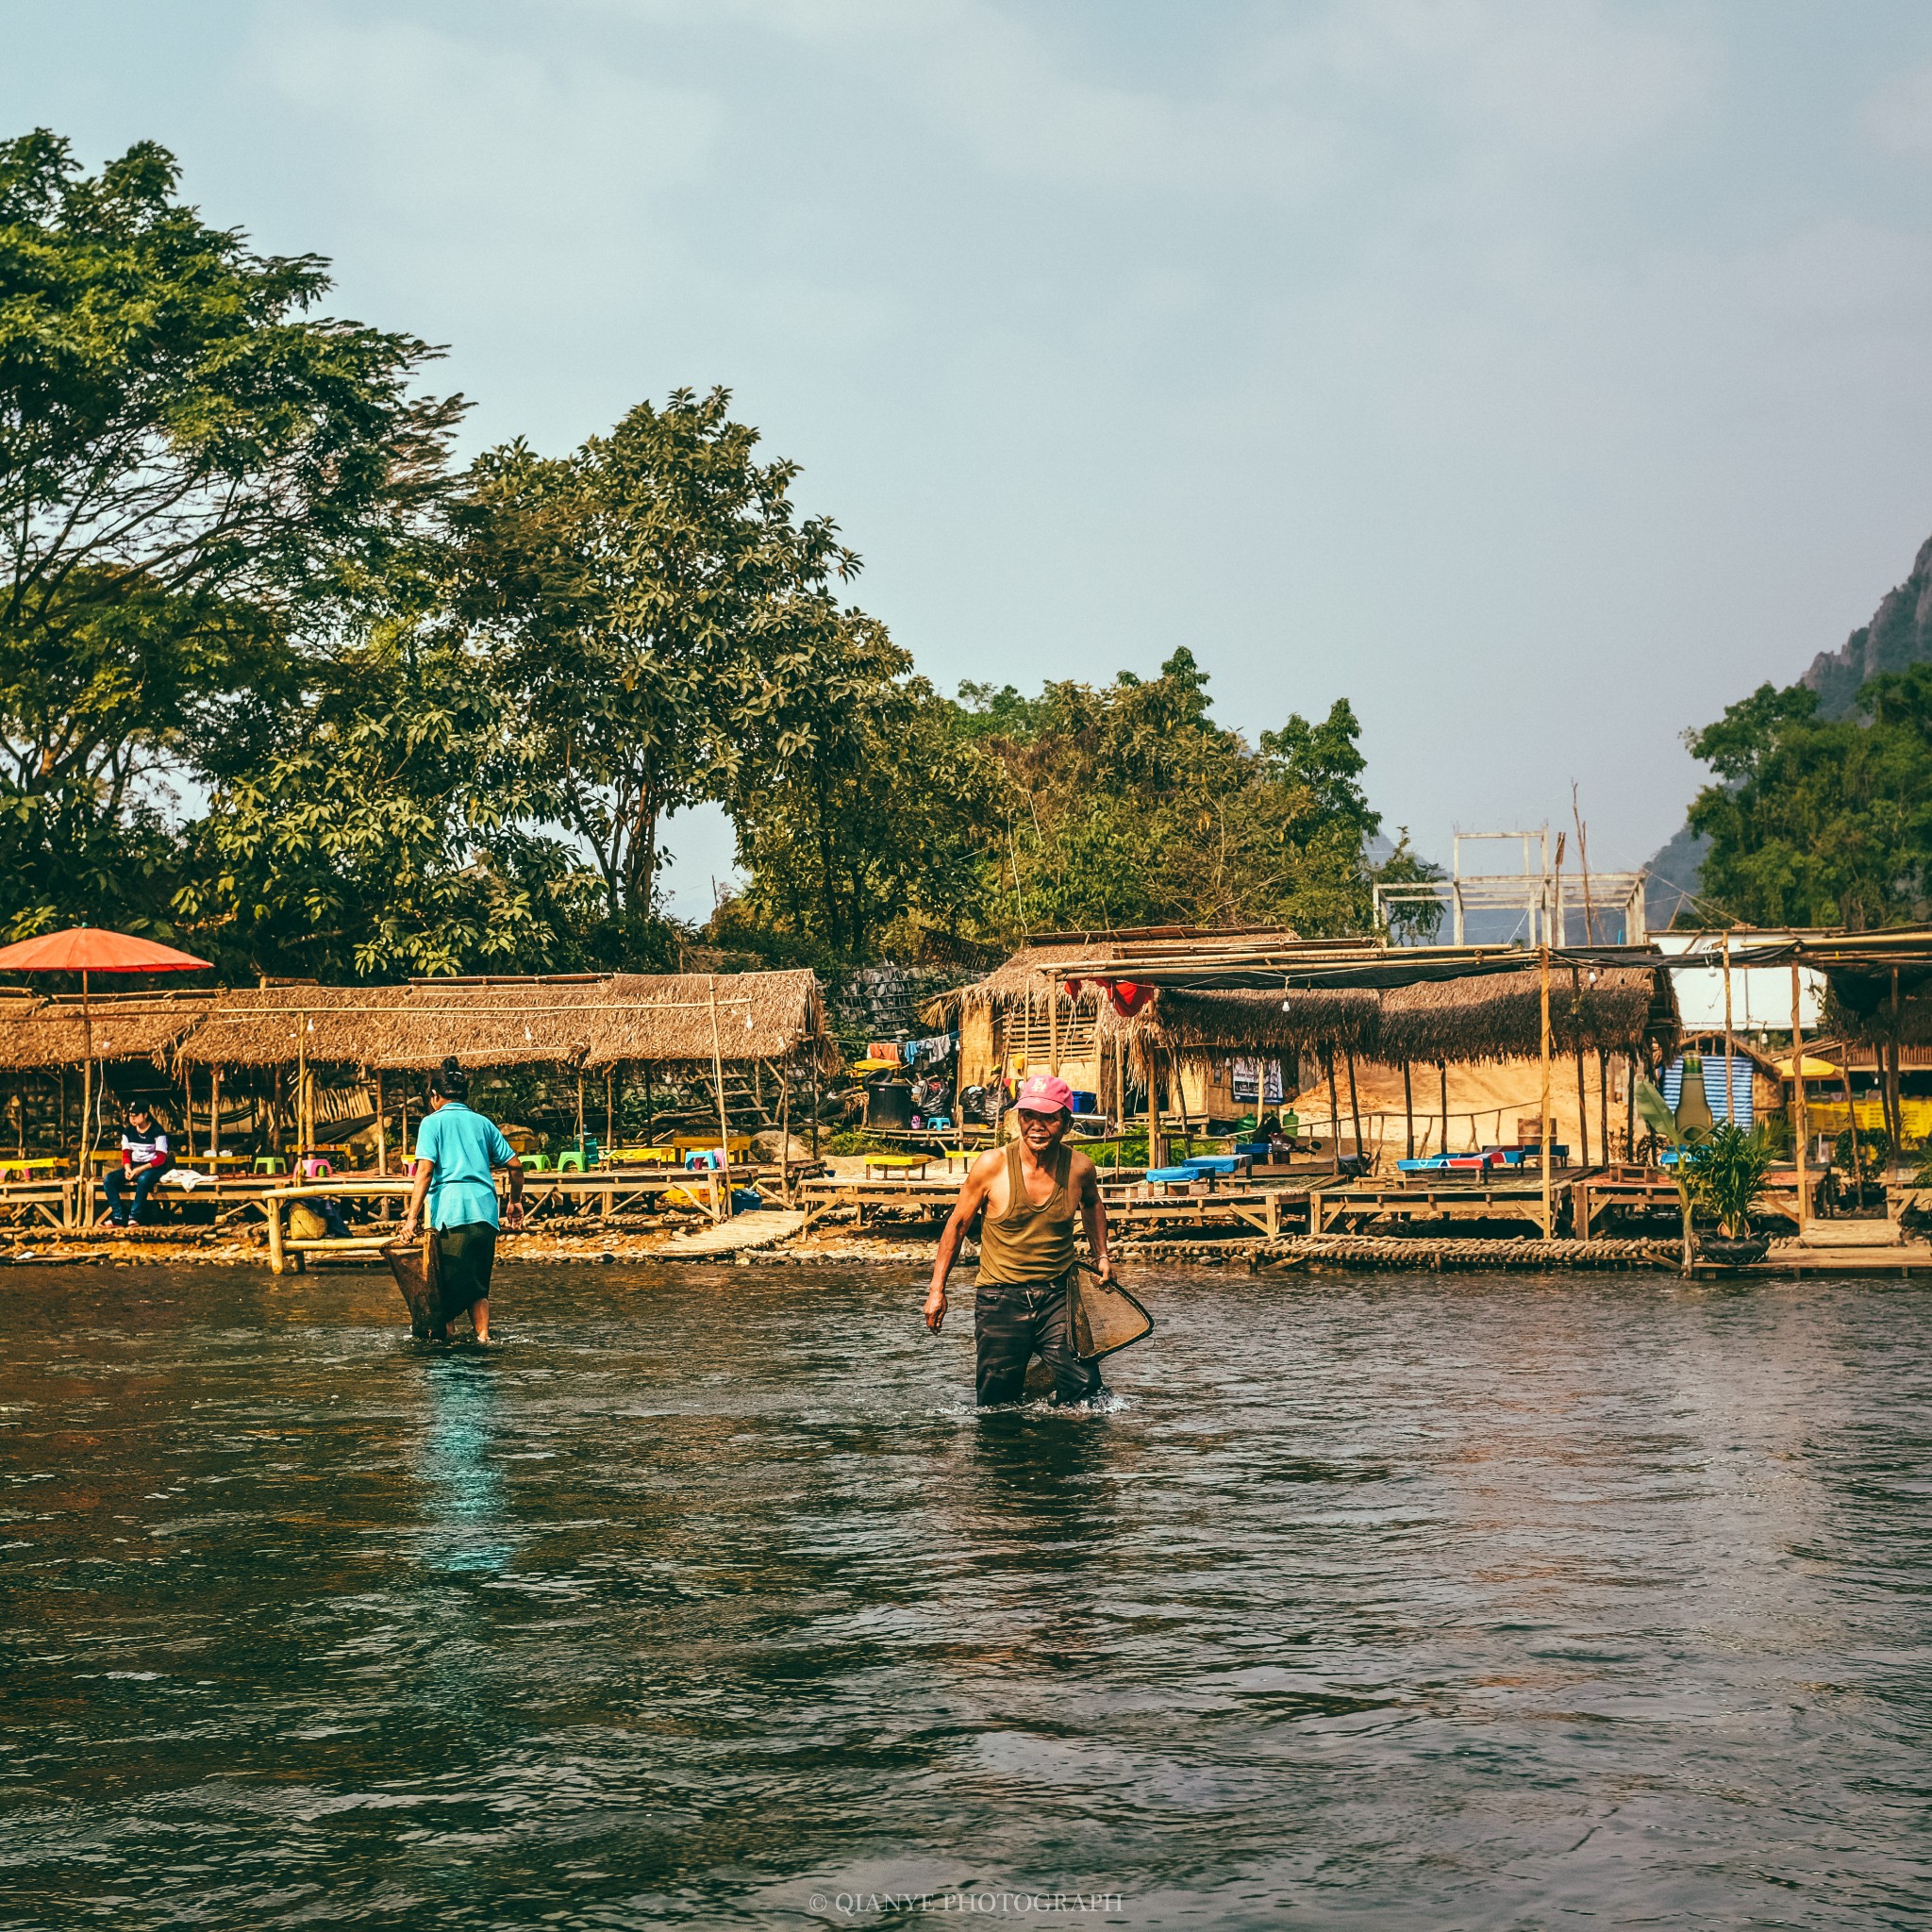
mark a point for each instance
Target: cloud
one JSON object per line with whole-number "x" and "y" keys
{"x": 1899, "y": 116}
{"x": 456, "y": 127}
{"x": 1262, "y": 109}
{"x": 1557, "y": 76}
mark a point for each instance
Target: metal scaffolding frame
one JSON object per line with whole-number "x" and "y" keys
{"x": 1608, "y": 904}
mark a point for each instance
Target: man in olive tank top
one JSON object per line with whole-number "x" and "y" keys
{"x": 1030, "y": 1190}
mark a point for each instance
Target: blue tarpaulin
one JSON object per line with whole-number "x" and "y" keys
{"x": 1739, "y": 1111}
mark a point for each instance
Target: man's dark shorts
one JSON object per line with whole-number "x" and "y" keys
{"x": 1013, "y": 1320}
{"x": 466, "y": 1254}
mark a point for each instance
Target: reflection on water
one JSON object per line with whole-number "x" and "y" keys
{"x": 1374, "y": 1603}
{"x": 462, "y": 1490}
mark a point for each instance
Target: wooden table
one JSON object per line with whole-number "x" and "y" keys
{"x": 31, "y": 1165}
{"x": 737, "y": 1147}
{"x": 910, "y": 1167}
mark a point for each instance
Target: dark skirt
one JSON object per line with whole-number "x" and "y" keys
{"x": 468, "y": 1254}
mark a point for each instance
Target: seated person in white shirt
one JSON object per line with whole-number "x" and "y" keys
{"x": 144, "y": 1159}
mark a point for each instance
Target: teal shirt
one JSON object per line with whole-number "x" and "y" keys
{"x": 464, "y": 1148}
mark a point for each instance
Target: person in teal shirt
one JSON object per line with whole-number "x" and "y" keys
{"x": 457, "y": 1154}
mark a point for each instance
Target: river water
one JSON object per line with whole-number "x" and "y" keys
{"x": 706, "y": 1599}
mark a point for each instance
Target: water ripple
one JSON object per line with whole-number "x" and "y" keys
{"x": 1450, "y": 1602}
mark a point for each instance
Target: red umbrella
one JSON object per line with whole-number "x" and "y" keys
{"x": 93, "y": 949}
{"x": 85, "y": 949}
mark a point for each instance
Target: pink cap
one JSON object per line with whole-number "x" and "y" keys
{"x": 1044, "y": 1093}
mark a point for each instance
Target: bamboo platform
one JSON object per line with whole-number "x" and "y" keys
{"x": 1812, "y": 1256}
{"x": 613, "y": 1193}
{"x": 1424, "y": 1253}
{"x": 1483, "y": 1199}
{"x": 67, "y": 1201}
{"x": 817, "y": 1197}
{"x": 1260, "y": 1209}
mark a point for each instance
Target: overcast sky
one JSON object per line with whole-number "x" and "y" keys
{"x": 1540, "y": 375}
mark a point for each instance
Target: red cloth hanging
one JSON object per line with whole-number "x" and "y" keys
{"x": 1125, "y": 996}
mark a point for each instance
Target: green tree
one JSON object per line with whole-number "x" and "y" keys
{"x": 381, "y": 827}
{"x": 1128, "y": 805}
{"x": 633, "y": 589}
{"x": 1818, "y": 822}
{"x": 189, "y": 460}
{"x": 856, "y": 806}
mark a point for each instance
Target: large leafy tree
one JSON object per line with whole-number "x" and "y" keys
{"x": 381, "y": 825}
{"x": 1821, "y": 821}
{"x": 190, "y": 460}
{"x": 1126, "y": 805}
{"x": 859, "y": 809}
{"x": 637, "y": 591}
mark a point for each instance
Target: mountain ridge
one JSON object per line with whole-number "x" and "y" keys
{"x": 1898, "y": 637}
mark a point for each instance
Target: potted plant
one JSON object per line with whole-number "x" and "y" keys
{"x": 1727, "y": 1171}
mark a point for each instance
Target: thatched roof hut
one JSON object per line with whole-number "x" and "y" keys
{"x": 1498, "y": 1016}
{"x": 126, "y": 1026}
{"x": 580, "y": 1021}
{"x": 1858, "y": 1001}
{"x": 1024, "y": 980}
{"x": 1484, "y": 1015}
{"x": 1020, "y": 981}
{"x": 490, "y": 1023}
{"x": 666, "y": 1019}
{"x": 274, "y": 1026}
{"x": 1202, "y": 1028}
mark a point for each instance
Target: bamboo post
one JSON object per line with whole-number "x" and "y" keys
{"x": 1894, "y": 1101}
{"x": 381, "y": 1129}
{"x": 1442, "y": 1072}
{"x": 1800, "y": 1121}
{"x": 1053, "y": 1029}
{"x": 305, "y": 1140}
{"x": 1582, "y": 1102}
{"x": 275, "y": 1259}
{"x": 785, "y": 1132}
{"x": 1335, "y": 1113}
{"x": 609, "y": 1114}
{"x": 1630, "y": 1107}
{"x": 1730, "y": 1045}
{"x": 1153, "y": 1108}
{"x": 723, "y": 1195}
{"x": 1407, "y": 1112}
{"x": 814, "y": 1106}
{"x": 1543, "y": 1122}
{"x": 1603, "y": 1102}
{"x": 1355, "y": 1111}
{"x": 87, "y": 1092}
{"x": 580, "y": 1113}
{"x": 1845, "y": 1076}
